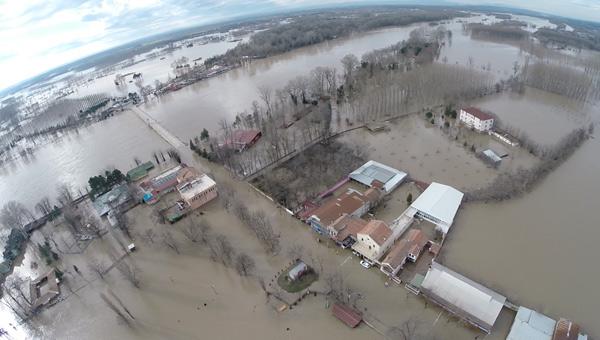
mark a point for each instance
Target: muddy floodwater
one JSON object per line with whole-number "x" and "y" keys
{"x": 538, "y": 250}
{"x": 77, "y": 156}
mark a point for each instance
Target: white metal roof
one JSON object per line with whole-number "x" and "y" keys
{"x": 492, "y": 155}
{"x": 531, "y": 325}
{"x": 373, "y": 170}
{"x": 462, "y": 294}
{"x": 196, "y": 186}
{"x": 440, "y": 201}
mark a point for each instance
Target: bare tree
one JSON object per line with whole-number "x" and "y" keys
{"x": 110, "y": 291}
{"x": 122, "y": 221}
{"x": 222, "y": 249}
{"x": 334, "y": 282}
{"x": 122, "y": 317}
{"x": 295, "y": 252}
{"x": 15, "y": 215}
{"x": 407, "y": 330}
{"x": 64, "y": 194}
{"x": 149, "y": 235}
{"x": 130, "y": 273}
{"x": 44, "y": 207}
{"x": 12, "y": 290}
{"x": 192, "y": 231}
{"x": 349, "y": 62}
{"x": 266, "y": 95}
{"x": 72, "y": 218}
{"x": 97, "y": 266}
{"x": 244, "y": 264}
{"x": 205, "y": 231}
{"x": 170, "y": 242}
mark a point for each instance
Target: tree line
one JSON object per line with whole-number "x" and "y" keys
{"x": 514, "y": 184}
{"x": 314, "y": 28}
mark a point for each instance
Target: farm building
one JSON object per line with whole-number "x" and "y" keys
{"x": 377, "y": 175}
{"x": 477, "y": 119}
{"x": 438, "y": 204}
{"x": 468, "y": 300}
{"x": 240, "y": 140}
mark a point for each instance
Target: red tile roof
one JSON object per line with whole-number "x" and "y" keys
{"x": 346, "y": 203}
{"x": 565, "y": 330}
{"x": 413, "y": 242}
{"x": 347, "y": 315}
{"x": 478, "y": 113}
{"x": 378, "y": 231}
{"x": 242, "y": 138}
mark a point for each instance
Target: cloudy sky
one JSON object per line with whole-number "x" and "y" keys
{"x": 37, "y": 35}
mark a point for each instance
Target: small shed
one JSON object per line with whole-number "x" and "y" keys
{"x": 299, "y": 269}
{"x": 347, "y": 315}
{"x": 492, "y": 156}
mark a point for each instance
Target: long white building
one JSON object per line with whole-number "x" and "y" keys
{"x": 477, "y": 119}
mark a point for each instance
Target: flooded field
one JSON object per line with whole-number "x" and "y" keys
{"x": 544, "y": 116}
{"x": 424, "y": 152}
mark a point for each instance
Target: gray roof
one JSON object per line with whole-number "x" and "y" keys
{"x": 531, "y": 325}
{"x": 466, "y": 298}
{"x": 115, "y": 197}
{"x": 492, "y": 155}
{"x": 372, "y": 171}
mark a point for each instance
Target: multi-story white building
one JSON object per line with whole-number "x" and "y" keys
{"x": 477, "y": 119}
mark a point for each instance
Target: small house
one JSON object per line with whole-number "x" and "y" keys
{"x": 240, "y": 140}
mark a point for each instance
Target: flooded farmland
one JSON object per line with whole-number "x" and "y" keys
{"x": 538, "y": 250}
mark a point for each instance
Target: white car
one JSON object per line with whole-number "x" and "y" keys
{"x": 366, "y": 264}
{"x": 356, "y": 253}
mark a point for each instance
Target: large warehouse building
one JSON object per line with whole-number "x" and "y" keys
{"x": 462, "y": 297}
{"x": 438, "y": 204}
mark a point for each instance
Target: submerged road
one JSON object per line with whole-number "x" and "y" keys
{"x": 159, "y": 129}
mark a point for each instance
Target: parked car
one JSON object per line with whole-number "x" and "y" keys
{"x": 366, "y": 264}
{"x": 356, "y": 253}
{"x": 347, "y": 243}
